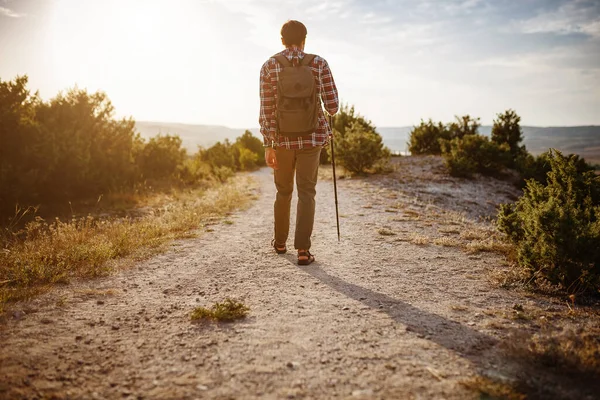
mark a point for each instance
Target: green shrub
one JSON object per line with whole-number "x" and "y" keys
{"x": 463, "y": 126}
{"x": 531, "y": 167}
{"x": 506, "y": 130}
{"x": 341, "y": 122}
{"x": 556, "y": 226}
{"x": 471, "y": 154}
{"x": 359, "y": 149}
{"x": 161, "y": 157}
{"x": 425, "y": 138}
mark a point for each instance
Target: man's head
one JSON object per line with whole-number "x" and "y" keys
{"x": 293, "y": 33}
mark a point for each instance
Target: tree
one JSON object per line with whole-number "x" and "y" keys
{"x": 358, "y": 150}
{"x": 506, "y": 129}
{"x": 345, "y": 118}
{"x": 463, "y": 126}
{"x": 425, "y": 138}
{"x": 161, "y": 157}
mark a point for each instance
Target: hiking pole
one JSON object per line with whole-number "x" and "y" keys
{"x": 337, "y": 217}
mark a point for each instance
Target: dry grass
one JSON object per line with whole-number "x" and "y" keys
{"x": 490, "y": 245}
{"x": 489, "y": 389}
{"x": 227, "y": 311}
{"x": 566, "y": 351}
{"x": 386, "y": 232}
{"x": 447, "y": 242}
{"x": 419, "y": 239}
{"x": 48, "y": 253}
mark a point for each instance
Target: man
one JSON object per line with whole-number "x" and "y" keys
{"x": 294, "y": 138}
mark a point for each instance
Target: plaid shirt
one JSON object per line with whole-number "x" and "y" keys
{"x": 327, "y": 92}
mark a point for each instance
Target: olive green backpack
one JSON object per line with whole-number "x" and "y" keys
{"x": 297, "y": 101}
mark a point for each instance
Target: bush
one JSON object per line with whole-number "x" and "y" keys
{"x": 342, "y": 122}
{"x": 537, "y": 168}
{"x": 359, "y": 149}
{"x": 463, "y": 126}
{"x": 425, "y": 138}
{"x": 556, "y": 227}
{"x": 161, "y": 157}
{"x": 506, "y": 129}
{"x": 471, "y": 154}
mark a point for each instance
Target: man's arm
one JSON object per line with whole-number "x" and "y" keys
{"x": 329, "y": 93}
{"x": 267, "y": 105}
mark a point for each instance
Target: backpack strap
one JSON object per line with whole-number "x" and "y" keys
{"x": 282, "y": 60}
{"x": 308, "y": 58}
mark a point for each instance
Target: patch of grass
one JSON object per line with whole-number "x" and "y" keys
{"x": 419, "y": 239}
{"x": 227, "y": 311}
{"x": 386, "y": 232}
{"x": 491, "y": 390}
{"x": 490, "y": 245}
{"x": 572, "y": 352}
{"x": 446, "y": 242}
{"x": 46, "y": 253}
{"x": 449, "y": 230}
{"x": 473, "y": 234}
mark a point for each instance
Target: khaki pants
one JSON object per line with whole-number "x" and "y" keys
{"x": 305, "y": 164}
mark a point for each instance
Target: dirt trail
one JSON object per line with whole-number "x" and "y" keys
{"x": 375, "y": 317}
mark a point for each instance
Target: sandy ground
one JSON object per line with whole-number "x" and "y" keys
{"x": 387, "y": 315}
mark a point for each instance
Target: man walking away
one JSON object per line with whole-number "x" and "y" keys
{"x": 292, "y": 86}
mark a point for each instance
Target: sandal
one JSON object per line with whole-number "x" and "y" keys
{"x": 305, "y": 258}
{"x": 279, "y": 249}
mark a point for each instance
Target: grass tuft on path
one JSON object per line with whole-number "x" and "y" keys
{"x": 227, "y": 311}
{"x": 47, "y": 253}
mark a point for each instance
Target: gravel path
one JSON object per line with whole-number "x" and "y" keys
{"x": 377, "y": 316}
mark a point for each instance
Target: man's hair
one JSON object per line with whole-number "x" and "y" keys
{"x": 293, "y": 33}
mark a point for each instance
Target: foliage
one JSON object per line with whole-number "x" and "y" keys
{"x": 341, "y": 122}
{"x": 537, "y": 168}
{"x": 469, "y": 154}
{"x": 358, "y": 150}
{"x": 556, "y": 226}
{"x": 247, "y": 153}
{"x": 425, "y": 138}
{"x": 161, "y": 157}
{"x": 72, "y": 148}
{"x": 463, "y": 126}
{"x": 227, "y": 311}
{"x": 506, "y": 129}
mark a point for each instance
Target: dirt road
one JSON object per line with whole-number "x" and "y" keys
{"x": 386, "y": 313}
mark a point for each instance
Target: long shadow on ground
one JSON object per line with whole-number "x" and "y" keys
{"x": 484, "y": 351}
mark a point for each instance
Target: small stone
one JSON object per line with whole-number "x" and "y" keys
{"x": 78, "y": 337}
{"x": 46, "y": 321}
{"x": 18, "y": 314}
{"x": 346, "y": 308}
{"x": 100, "y": 302}
{"x": 115, "y": 327}
{"x": 471, "y": 323}
{"x": 202, "y": 387}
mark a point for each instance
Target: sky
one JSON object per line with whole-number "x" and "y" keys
{"x": 396, "y": 61}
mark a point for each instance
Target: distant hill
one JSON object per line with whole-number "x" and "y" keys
{"x": 191, "y": 136}
{"x": 582, "y": 140}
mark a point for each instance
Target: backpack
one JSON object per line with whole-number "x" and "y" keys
{"x": 297, "y": 105}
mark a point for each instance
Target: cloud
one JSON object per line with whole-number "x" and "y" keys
{"x": 579, "y": 16}
{"x": 7, "y": 12}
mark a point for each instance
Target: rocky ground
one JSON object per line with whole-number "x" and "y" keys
{"x": 405, "y": 306}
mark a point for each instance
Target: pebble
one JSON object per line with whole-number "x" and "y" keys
{"x": 100, "y": 302}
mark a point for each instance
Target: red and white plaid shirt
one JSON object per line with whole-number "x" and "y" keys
{"x": 327, "y": 92}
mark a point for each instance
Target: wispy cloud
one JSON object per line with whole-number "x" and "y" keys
{"x": 579, "y": 16}
{"x": 7, "y": 12}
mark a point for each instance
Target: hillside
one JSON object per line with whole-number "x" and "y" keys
{"x": 582, "y": 140}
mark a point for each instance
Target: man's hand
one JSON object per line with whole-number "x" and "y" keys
{"x": 271, "y": 158}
